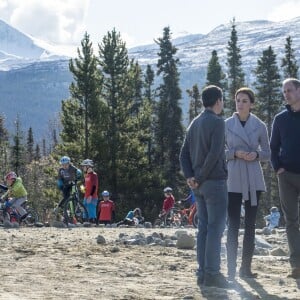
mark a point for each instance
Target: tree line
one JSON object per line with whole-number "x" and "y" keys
{"x": 128, "y": 120}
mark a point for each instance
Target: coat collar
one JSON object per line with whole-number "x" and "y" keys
{"x": 239, "y": 130}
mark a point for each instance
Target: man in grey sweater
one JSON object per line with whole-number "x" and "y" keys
{"x": 202, "y": 160}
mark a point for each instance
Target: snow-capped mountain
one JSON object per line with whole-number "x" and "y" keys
{"x": 18, "y": 49}
{"x": 194, "y": 51}
{"x": 34, "y": 76}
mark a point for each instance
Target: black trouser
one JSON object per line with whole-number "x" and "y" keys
{"x": 66, "y": 194}
{"x": 234, "y": 219}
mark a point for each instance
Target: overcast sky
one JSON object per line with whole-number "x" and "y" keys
{"x": 138, "y": 21}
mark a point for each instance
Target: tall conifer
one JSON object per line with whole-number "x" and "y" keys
{"x": 169, "y": 130}
{"x": 289, "y": 62}
{"x": 268, "y": 103}
{"x": 236, "y": 76}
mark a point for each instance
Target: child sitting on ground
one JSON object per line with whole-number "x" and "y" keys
{"x": 272, "y": 220}
{"x": 134, "y": 217}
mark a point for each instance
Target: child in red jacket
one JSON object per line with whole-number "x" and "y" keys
{"x": 168, "y": 203}
{"x": 106, "y": 209}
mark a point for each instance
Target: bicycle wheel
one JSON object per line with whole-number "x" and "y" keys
{"x": 4, "y": 216}
{"x": 195, "y": 219}
{"x": 32, "y": 217}
{"x": 176, "y": 219}
{"x": 75, "y": 212}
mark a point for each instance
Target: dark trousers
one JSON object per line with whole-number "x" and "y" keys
{"x": 289, "y": 190}
{"x": 234, "y": 219}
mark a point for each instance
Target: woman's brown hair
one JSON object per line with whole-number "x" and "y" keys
{"x": 246, "y": 91}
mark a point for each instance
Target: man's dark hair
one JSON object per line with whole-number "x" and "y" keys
{"x": 210, "y": 95}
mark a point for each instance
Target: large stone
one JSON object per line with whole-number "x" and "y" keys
{"x": 100, "y": 240}
{"x": 185, "y": 241}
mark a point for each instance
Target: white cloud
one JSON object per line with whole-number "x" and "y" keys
{"x": 56, "y": 21}
{"x": 285, "y": 11}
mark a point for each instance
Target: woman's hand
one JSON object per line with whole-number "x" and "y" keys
{"x": 250, "y": 156}
{"x": 240, "y": 154}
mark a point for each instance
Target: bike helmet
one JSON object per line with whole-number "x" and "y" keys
{"x": 11, "y": 175}
{"x": 168, "y": 190}
{"x": 274, "y": 209}
{"x": 65, "y": 160}
{"x": 105, "y": 193}
{"x": 88, "y": 163}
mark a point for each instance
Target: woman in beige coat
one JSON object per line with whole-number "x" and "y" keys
{"x": 247, "y": 144}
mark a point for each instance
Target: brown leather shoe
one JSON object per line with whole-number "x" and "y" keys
{"x": 295, "y": 273}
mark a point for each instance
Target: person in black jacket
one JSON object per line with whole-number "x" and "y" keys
{"x": 285, "y": 158}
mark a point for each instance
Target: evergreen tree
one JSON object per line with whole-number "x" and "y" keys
{"x": 136, "y": 85}
{"x": 4, "y": 146}
{"x": 236, "y": 75}
{"x": 30, "y": 145}
{"x": 86, "y": 88}
{"x": 18, "y": 149}
{"x": 114, "y": 64}
{"x": 268, "y": 86}
{"x": 169, "y": 130}
{"x": 215, "y": 74}
{"x": 72, "y": 133}
{"x": 149, "y": 80}
{"x": 44, "y": 148}
{"x": 150, "y": 105}
{"x": 195, "y": 102}
{"x": 289, "y": 62}
{"x": 37, "y": 152}
{"x": 268, "y": 103}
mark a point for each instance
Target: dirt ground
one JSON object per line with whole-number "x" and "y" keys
{"x": 53, "y": 263}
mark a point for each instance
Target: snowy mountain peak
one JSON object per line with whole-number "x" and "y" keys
{"x": 17, "y": 48}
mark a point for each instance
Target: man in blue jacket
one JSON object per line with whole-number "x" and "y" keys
{"x": 202, "y": 160}
{"x": 285, "y": 158}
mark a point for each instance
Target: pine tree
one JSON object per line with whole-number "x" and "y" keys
{"x": 169, "y": 130}
{"x": 4, "y": 146}
{"x": 215, "y": 74}
{"x": 30, "y": 145}
{"x": 195, "y": 102}
{"x": 136, "y": 85}
{"x": 114, "y": 64}
{"x": 236, "y": 75}
{"x": 149, "y": 80}
{"x": 37, "y": 152}
{"x": 86, "y": 88}
{"x": 289, "y": 62}
{"x": 268, "y": 103}
{"x": 18, "y": 149}
{"x": 44, "y": 148}
{"x": 150, "y": 105}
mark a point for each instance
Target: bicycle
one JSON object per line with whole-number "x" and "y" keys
{"x": 179, "y": 216}
{"x": 11, "y": 214}
{"x": 72, "y": 210}
{"x": 165, "y": 220}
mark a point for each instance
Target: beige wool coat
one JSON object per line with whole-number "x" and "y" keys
{"x": 246, "y": 177}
